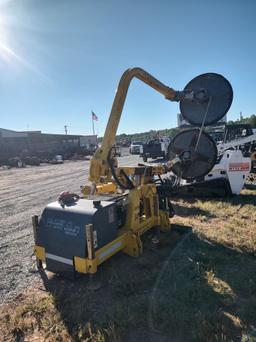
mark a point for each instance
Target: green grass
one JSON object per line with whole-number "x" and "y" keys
{"x": 197, "y": 287}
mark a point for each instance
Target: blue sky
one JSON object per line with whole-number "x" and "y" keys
{"x": 61, "y": 58}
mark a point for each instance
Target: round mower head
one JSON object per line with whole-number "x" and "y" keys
{"x": 201, "y": 149}
{"x": 207, "y": 87}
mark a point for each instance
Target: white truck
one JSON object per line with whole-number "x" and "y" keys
{"x": 136, "y": 147}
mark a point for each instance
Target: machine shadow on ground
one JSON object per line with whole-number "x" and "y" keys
{"x": 190, "y": 288}
{"x": 184, "y": 211}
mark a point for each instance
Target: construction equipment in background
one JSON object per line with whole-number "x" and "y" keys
{"x": 240, "y": 137}
{"x": 226, "y": 178}
{"x": 236, "y": 163}
{"x": 78, "y": 234}
{"x": 252, "y": 176}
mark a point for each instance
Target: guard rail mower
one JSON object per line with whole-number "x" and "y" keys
{"x": 78, "y": 233}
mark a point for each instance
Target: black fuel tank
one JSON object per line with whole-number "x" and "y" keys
{"x": 61, "y": 231}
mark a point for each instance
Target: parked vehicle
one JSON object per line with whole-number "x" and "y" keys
{"x": 136, "y": 147}
{"x": 57, "y": 159}
{"x": 155, "y": 148}
{"x": 16, "y": 162}
{"x": 117, "y": 152}
{"x": 34, "y": 161}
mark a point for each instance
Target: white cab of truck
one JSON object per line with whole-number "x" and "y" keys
{"x": 136, "y": 147}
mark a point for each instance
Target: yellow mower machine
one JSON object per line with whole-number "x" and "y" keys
{"x": 78, "y": 233}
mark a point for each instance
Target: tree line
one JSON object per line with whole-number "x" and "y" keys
{"x": 251, "y": 120}
{"x": 123, "y": 139}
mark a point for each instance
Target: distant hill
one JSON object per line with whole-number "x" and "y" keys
{"x": 146, "y": 135}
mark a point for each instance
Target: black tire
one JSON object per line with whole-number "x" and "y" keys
{"x": 145, "y": 159}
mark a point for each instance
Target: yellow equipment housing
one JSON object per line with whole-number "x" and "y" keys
{"x": 137, "y": 186}
{"x": 143, "y": 189}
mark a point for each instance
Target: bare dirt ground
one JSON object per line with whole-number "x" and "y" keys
{"x": 23, "y": 193}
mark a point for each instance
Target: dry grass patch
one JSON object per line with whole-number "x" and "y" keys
{"x": 231, "y": 221}
{"x": 196, "y": 287}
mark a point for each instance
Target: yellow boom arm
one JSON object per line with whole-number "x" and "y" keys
{"x": 99, "y": 167}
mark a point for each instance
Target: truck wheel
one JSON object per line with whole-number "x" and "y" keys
{"x": 145, "y": 159}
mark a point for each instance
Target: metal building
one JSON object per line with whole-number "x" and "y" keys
{"x": 36, "y": 143}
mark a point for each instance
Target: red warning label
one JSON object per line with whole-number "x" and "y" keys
{"x": 239, "y": 167}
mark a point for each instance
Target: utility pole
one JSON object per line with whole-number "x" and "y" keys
{"x": 66, "y": 129}
{"x": 93, "y": 129}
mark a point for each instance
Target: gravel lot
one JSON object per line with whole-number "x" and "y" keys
{"x": 25, "y": 192}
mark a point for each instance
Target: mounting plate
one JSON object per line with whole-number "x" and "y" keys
{"x": 204, "y": 87}
{"x": 203, "y": 154}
